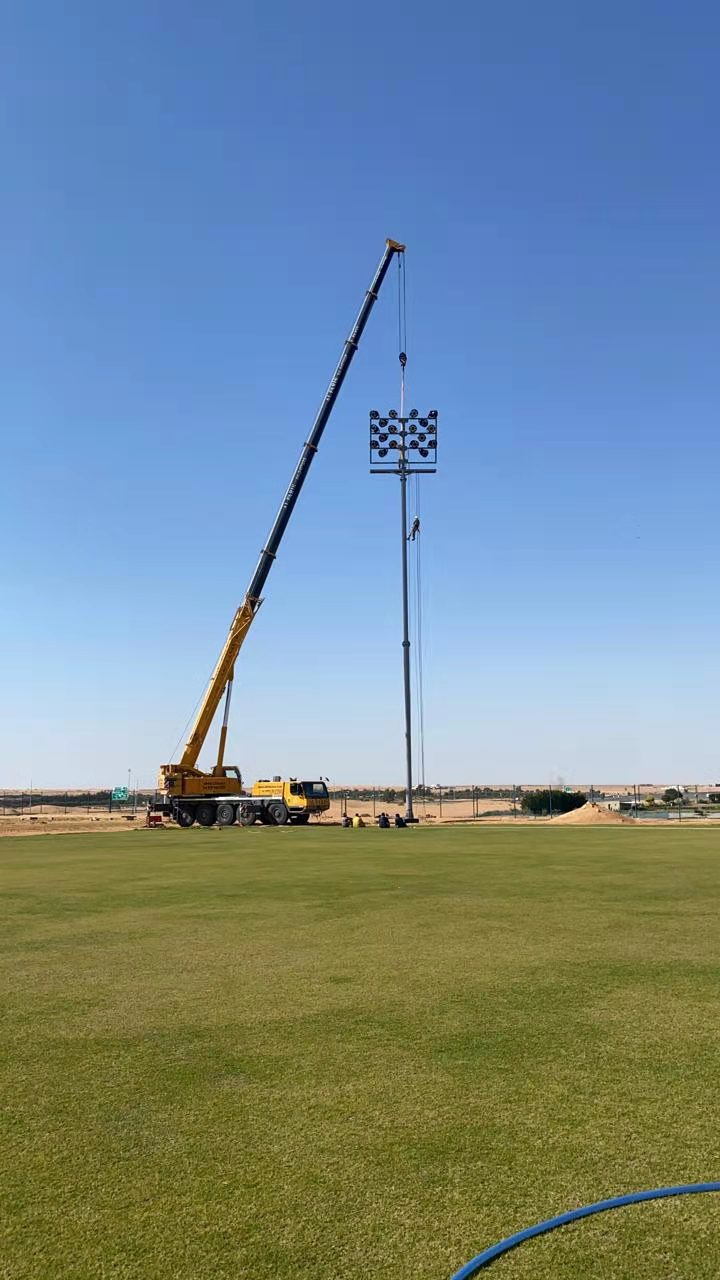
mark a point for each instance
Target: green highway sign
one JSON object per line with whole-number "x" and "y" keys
{"x": 119, "y": 793}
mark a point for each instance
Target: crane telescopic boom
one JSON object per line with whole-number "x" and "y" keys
{"x": 185, "y": 778}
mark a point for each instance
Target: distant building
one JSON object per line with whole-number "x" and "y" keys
{"x": 619, "y": 804}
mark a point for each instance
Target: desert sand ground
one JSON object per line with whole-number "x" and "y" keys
{"x": 430, "y": 810}
{"x": 59, "y": 823}
{"x": 488, "y": 811}
{"x": 52, "y": 820}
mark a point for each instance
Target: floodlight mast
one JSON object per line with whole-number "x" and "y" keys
{"x": 178, "y": 779}
{"x": 393, "y": 438}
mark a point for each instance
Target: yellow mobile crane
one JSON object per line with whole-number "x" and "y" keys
{"x": 191, "y": 795}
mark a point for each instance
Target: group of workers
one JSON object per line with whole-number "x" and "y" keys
{"x": 383, "y": 821}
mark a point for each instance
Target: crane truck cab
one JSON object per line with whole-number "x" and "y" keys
{"x": 300, "y": 798}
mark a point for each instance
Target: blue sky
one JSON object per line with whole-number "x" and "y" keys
{"x": 194, "y": 199}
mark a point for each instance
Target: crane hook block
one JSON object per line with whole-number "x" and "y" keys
{"x": 403, "y": 359}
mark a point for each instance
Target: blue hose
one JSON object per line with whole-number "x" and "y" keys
{"x": 488, "y": 1255}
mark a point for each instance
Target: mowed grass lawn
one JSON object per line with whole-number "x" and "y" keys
{"x": 344, "y": 1054}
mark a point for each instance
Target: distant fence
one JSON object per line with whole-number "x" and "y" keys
{"x": 21, "y": 802}
{"x": 479, "y": 801}
{"x": 488, "y": 802}
{"x": 424, "y": 798}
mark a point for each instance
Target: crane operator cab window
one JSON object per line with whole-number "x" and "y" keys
{"x": 311, "y": 790}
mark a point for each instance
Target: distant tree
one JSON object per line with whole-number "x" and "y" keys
{"x": 388, "y": 796}
{"x": 538, "y": 802}
{"x": 671, "y": 795}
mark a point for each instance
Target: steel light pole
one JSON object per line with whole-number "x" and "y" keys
{"x": 404, "y": 446}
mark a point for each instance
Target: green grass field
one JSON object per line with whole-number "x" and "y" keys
{"x": 350, "y": 1054}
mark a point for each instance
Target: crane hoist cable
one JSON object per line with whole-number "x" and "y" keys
{"x": 418, "y": 640}
{"x": 416, "y": 561}
{"x": 183, "y": 778}
{"x": 402, "y": 307}
{"x": 401, "y": 328}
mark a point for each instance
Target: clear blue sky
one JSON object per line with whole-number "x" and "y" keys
{"x": 194, "y": 197}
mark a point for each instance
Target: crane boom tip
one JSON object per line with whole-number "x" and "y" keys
{"x": 395, "y": 244}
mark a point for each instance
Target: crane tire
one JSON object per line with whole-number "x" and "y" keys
{"x": 246, "y": 815}
{"x": 277, "y": 813}
{"x": 184, "y": 817}
{"x": 225, "y": 814}
{"x": 206, "y": 814}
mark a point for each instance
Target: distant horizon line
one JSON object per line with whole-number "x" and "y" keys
{"x": 399, "y": 786}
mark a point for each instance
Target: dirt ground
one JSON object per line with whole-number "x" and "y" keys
{"x": 53, "y": 821}
{"x": 452, "y": 810}
{"x": 488, "y": 810}
{"x": 58, "y": 823}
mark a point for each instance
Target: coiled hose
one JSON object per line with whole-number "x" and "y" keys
{"x": 504, "y": 1246}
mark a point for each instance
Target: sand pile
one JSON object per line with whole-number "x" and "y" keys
{"x": 592, "y": 815}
